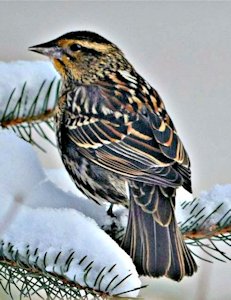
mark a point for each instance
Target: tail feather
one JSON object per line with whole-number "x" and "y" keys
{"x": 156, "y": 247}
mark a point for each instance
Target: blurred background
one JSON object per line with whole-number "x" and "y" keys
{"x": 184, "y": 50}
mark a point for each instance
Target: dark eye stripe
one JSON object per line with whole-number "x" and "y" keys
{"x": 90, "y": 51}
{"x": 77, "y": 47}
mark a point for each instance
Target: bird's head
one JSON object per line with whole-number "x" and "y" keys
{"x": 82, "y": 56}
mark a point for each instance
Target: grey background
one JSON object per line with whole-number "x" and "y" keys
{"x": 184, "y": 51}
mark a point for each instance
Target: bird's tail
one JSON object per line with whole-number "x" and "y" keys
{"x": 152, "y": 238}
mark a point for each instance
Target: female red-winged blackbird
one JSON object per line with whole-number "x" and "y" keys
{"x": 113, "y": 130}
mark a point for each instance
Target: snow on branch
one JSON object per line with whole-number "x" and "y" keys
{"x": 209, "y": 215}
{"x": 206, "y": 222}
{"x": 57, "y": 241}
{"x": 28, "y": 95}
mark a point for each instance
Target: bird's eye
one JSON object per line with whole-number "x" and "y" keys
{"x": 75, "y": 47}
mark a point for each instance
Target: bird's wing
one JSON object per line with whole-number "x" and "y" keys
{"x": 115, "y": 127}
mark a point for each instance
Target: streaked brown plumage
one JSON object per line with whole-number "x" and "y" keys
{"x": 113, "y": 129}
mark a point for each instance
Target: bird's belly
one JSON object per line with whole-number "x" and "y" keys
{"x": 95, "y": 182}
{"x": 92, "y": 180}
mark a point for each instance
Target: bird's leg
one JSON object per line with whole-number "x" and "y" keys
{"x": 110, "y": 211}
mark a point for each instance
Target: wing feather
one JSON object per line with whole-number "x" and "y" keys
{"x": 137, "y": 142}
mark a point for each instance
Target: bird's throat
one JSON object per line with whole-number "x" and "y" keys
{"x": 60, "y": 68}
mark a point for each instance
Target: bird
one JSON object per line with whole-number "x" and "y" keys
{"x": 119, "y": 145}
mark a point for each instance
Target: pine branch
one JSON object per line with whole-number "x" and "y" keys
{"x": 202, "y": 230}
{"x": 213, "y": 231}
{"x": 42, "y": 117}
{"x": 26, "y": 116}
{"x": 32, "y": 278}
{"x": 32, "y": 281}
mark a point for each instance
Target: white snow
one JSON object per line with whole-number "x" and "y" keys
{"x": 209, "y": 208}
{"x": 35, "y": 213}
{"x": 32, "y": 187}
{"x": 61, "y": 178}
{"x": 20, "y": 169}
{"x": 67, "y": 231}
{"x": 33, "y": 73}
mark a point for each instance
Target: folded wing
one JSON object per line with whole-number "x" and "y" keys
{"x": 126, "y": 132}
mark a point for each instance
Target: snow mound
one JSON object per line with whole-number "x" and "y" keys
{"x": 45, "y": 227}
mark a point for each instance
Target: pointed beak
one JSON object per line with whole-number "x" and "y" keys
{"x": 49, "y": 49}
